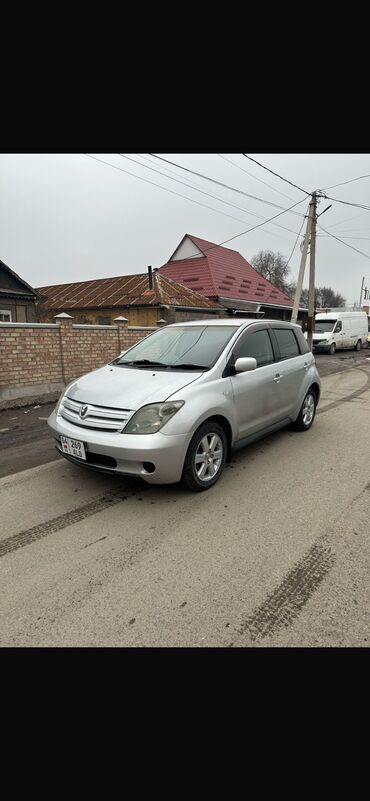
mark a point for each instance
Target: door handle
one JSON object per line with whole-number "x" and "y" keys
{"x": 306, "y": 366}
{"x": 277, "y": 377}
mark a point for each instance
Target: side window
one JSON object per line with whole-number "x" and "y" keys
{"x": 302, "y": 341}
{"x": 257, "y": 345}
{"x": 338, "y": 327}
{"x": 5, "y": 316}
{"x": 287, "y": 343}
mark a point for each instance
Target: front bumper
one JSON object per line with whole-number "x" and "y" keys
{"x": 321, "y": 346}
{"x": 126, "y": 454}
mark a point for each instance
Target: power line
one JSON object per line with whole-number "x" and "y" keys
{"x": 275, "y": 173}
{"x": 367, "y": 255}
{"x": 225, "y": 186}
{"x": 171, "y": 191}
{"x": 345, "y": 202}
{"x": 295, "y": 243}
{"x": 242, "y": 233}
{"x": 254, "y": 197}
{"x": 251, "y": 229}
{"x": 347, "y": 219}
{"x": 358, "y": 238}
{"x": 334, "y": 186}
{"x": 254, "y": 176}
{"x": 348, "y": 203}
{"x": 208, "y": 194}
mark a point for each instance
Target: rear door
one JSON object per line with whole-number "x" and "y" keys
{"x": 291, "y": 367}
{"x": 256, "y": 393}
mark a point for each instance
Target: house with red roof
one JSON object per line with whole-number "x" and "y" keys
{"x": 225, "y": 276}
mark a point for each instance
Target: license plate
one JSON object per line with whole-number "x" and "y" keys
{"x": 73, "y": 447}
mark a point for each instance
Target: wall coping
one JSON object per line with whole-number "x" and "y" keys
{"x": 95, "y": 327}
{"x": 29, "y": 325}
{"x": 77, "y": 325}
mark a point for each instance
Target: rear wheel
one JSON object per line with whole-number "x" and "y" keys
{"x": 332, "y": 349}
{"x": 358, "y": 344}
{"x": 307, "y": 413}
{"x": 205, "y": 457}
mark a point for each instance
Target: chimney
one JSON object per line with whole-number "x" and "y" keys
{"x": 150, "y": 278}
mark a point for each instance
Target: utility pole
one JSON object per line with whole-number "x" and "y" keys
{"x": 311, "y": 291}
{"x": 362, "y": 286}
{"x": 306, "y": 242}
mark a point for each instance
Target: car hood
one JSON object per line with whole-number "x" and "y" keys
{"x": 127, "y": 387}
{"x": 324, "y": 335}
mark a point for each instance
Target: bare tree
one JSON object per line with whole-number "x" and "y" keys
{"x": 272, "y": 266}
{"x": 325, "y": 297}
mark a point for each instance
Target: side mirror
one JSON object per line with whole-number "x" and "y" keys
{"x": 244, "y": 365}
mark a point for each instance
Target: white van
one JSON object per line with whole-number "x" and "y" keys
{"x": 336, "y": 330}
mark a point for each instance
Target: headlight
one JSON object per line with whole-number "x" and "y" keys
{"x": 59, "y": 402}
{"x": 61, "y": 396}
{"x": 152, "y": 418}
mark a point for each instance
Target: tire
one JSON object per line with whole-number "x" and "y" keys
{"x": 307, "y": 412}
{"x": 332, "y": 349}
{"x": 202, "y": 448}
{"x": 358, "y": 345}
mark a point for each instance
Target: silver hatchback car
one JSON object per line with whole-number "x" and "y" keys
{"x": 174, "y": 406}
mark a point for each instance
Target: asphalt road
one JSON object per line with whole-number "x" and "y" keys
{"x": 276, "y": 554}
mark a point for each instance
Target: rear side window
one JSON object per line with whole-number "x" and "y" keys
{"x": 302, "y": 341}
{"x": 258, "y": 345}
{"x": 287, "y": 343}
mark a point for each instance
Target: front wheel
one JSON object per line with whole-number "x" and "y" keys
{"x": 205, "y": 457}
{"x": 307, "y": 412}
{"x": 332, "y": 349}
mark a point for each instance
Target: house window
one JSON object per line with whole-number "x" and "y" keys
{"x": 5, "y": 316}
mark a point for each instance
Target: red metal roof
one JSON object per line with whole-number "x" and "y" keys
{"x": 222, "y": 272}
{"x": 125, "y": 290}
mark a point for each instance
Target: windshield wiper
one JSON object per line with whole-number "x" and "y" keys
{"x": 186, "y": 366}
{"x": 145, "y": 363}
{"x": 149, "y": 363}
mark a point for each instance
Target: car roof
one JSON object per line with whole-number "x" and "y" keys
{"x": 236, "y": 323}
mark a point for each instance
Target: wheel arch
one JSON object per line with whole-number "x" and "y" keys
{"x": 316, "y": 388}
{"x": 224, "y": 423}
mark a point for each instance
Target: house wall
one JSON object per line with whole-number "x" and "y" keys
{"x": 187, "y": 250}
{"x": 181, "y": 316}
{"x": 136, "y": 317}
{"x": 38, "y": 360}
{"x": 22, "y": 311}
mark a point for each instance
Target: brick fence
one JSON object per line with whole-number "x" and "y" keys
{"x": 37, "y": 360}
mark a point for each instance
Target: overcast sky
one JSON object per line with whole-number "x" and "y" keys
{"x": 70, "y": 218}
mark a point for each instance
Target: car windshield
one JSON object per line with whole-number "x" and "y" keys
{"x": 323, "y": 326}
{"x": 183, "y": 348}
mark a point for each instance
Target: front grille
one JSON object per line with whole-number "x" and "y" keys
{"x": 97, "y": 418}
{"x": 99, "y": 458}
